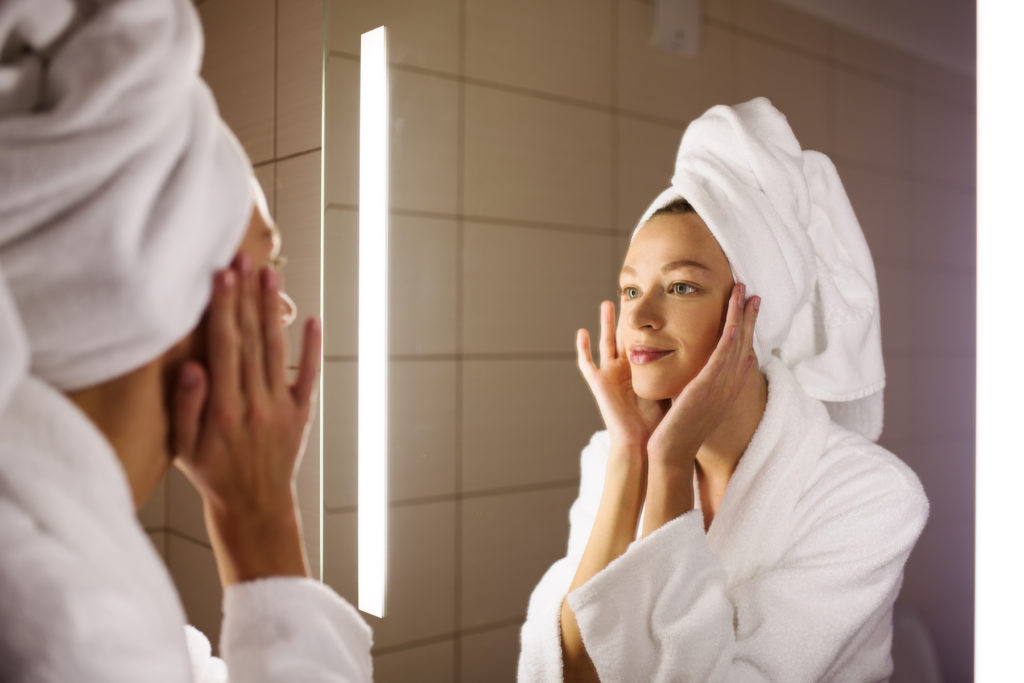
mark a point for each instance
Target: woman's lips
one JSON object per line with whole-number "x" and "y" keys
{"x": 641, "y": 355}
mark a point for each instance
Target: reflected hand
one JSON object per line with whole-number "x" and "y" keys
{"x": 240, "y": 429}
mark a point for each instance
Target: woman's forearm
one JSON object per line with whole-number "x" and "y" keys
{"x": 669, "y": 493}
{"x": 614, "y": 529}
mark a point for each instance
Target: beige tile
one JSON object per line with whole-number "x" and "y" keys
{"x": 872, "y": 121}
{"x": 341, "y": 131}
{"x": 194, "y": 570}
{"x": 299, "y": 74}
{"x": 422, "y": 431}
{"x": 298, "y": 215}
{"x": 927, "y": 310}
{"x": 159, "y": 541}
{"x": 656, "y": 83}
{"x": 529, "y": 289}
{"x": 265, "y": 176}
{"x": 422, "y": 286}
{"x": 944, "y": 223}
{"x": 942, "y": 142}
{"x": 884, "y": 208}
{"x": 784, "y": 24}
{"x": 491, "y": 655}
{"x": 153, "y": 513}
{"x": 340, "y": 433}
{"x": 509, "y": 541}
{"x": 722, "y": 10}
{"x": 951, "y": 623}
{"x": 423, "y": 33}
{"x": 420, "y": 584}
{"x": 798, "y": 85}
{"x": 929, "y": 396}
{"x": 928, "y": 77}
{"x": 532, "y": 159}
{"x": 244, "y": 87}
{"x": 524, "y": 422}
{"x": 307, "y": 488}
{"x": 570, "y": 51}
{"x": 184, "y": 507}
{"x": 434, "y": 662}
{"x": 341, "y": 282}
{"x": 865, "y": 54}
{"x": 647, "y": 154}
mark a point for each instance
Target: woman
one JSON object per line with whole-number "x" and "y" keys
{"x": 141, "y": 324}
{"x": 735, "y": 519}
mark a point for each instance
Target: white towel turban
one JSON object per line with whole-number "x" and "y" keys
{"x": 121, "y": 189}
{"x": 784, "y": 221}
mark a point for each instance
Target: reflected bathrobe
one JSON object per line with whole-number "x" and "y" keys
{"x": 794, "y": 581}
{"x": 84, "y": 597}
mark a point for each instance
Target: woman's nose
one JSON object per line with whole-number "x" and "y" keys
{"x": 644, "y": 313}
{"x": 289, "y": 311}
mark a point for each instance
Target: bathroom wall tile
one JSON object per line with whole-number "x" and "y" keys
{"x": 298, "y": 215}
{"x": 946, "y": 470}
{"x": 266, "y": 177}
{"x": 422, "y": 431}
{"x": 532, "y": 159}
{"x": 721, "y": 10}
{"x": 946, "y": 544}
{"x": 570, "y": 51}
{"x": 529, "y": 290}
{"x": 871, "y": 56}
{"x": 341, "y": 282}
{"x": 340, "y": 433}
{"x": 341, "y": 130}
{"x": 882, "y": 201}
{"x": 421, "y": 584}
{"x": 784, "y": 24}
{"x": 434, "y": 662}
{"x": 244, "y": 88}
{"x": 184, "y": 507}
{"x": 421, "y": 575}
{"x": 647, "y": 153}
{"x": 422, "y": 33}
{"x": 872, "y": 121}
{"x": 341, "y": 561}
{"x": 509, "y": 541}
{"x": 159, "y": 541}
{"x": 951, "y": 622}
{"x": 942, "y": 141}
{"x": 944, "y": 83}
{"x": 798, "y": 85}
{"x": 491, "y": 655}
{"x": 524, "y": 422}
{"x": 944, "y": 221}
{"x": 194, "y": 570}
{"x": 423, "y": 144}
{"x": 657, "y": 83}
{"x": 299, "y": 74}
{"x": 927, "y": 310}
{"x": 422, "y": 284}
{"x": 929, "y": 396}
{"x": 153, "y": 514}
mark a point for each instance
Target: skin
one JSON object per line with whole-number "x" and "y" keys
{"x": 219, "y": 405}
{"x": 675, "y": 390}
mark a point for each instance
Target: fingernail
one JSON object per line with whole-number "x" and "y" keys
{"x": 189, "y": 377}
{"x": 757, "y": 303}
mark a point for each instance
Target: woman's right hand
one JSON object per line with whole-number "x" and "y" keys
{"x": 630, "y": 420}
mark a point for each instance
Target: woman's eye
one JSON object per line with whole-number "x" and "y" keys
{"x": 683, "y": 288}
{"x": 629, "y": 292}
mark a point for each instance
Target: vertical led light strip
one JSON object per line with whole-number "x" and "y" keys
{"x": 373, "y": 322}
{"x": 999, "y": 554}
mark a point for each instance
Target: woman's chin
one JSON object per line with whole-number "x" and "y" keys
{"x": 656, "y": 389}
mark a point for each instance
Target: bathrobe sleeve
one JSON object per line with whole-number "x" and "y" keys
{"x": 662, "y": 611}
{"x": 285, "y": 629}
{"x": 540, "y": 657}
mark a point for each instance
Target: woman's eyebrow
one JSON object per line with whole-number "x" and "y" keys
{"x": 684, "y": 263}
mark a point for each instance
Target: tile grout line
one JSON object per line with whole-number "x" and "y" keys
{"x": 460, "y": 231}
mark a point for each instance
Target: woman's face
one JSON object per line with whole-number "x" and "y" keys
{"x": 673, "y": 290}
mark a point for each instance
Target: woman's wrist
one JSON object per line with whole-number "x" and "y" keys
{"x": 254, "y": 546}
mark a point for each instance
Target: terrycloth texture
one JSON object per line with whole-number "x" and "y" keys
{"x": 784, "y": 221}
{"x": 121, "y": 189}
{"x": 84, "y": 597}
{"x": 794, "y": 581}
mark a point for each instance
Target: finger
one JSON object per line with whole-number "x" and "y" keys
{"x": 273, "y": 329}
{"x": 608, "y": 347}
{"x": 583, "y": 358}
{"x": 253, "y": 373}
{"x": 189, "y": 395}
{"x": 223, "y": 341}
{"x": 309, "y": 364}
{"x": 751, "y": 310}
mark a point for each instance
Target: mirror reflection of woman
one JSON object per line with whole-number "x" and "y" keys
{"x": 736, "y": 520}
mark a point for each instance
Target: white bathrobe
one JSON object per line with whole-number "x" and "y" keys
{"x": 794, "y": 581}
{"x": 85, "y": 597}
